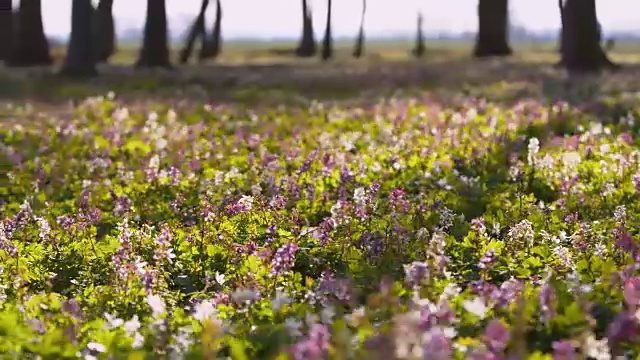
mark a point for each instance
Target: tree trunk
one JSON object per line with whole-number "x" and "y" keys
{"x": 196, "y": 31}
{"x": 493, "y": 24}
{"x": 81, "y": 58}
{"x": 327, "y": 42}
{"x": 155, "y": 48}
{"x": 30, "y": 46}
{"x": 212, "y": 47}
{"x": 105, "y": 31}
{"x": 307, "y": 46}
{"x": 358, "y": 51}
{"x": 418, "y": 50}
{"x": 6, "y": 28}
{"x": 581, "y": 48}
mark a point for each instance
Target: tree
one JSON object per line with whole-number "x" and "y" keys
{"x": 358, "y": 51}
{"x": 6, "y": 28}
{"x": 493, "y": 25}
{"x": 197, "y": 30}
{"x": 81, "y": 58}
{"x": 418, "y": 50}
{"x": 327, "y": 42}
{"x": 307, "y": 46}
{"x": 581, "y": 36}
{"x": 155, "y": 48}
{"x": 30, "y": 46}
{"x": 211, "y": 47}
{"x": 104, "y": 30}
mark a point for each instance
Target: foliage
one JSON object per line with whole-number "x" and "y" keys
{"x": 410, "y": 228}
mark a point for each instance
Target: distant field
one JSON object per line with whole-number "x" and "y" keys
{"x": 261, "y": 52}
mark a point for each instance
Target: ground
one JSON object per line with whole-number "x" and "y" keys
{"x": 267, "y": 207}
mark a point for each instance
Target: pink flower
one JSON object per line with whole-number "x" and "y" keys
{"x": 496, "y": 336}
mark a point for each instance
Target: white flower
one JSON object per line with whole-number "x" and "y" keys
{"x": 245, "y": 295}
{"x": 534, "y": 148}
{"x": 132, "y": 325}
{"x": 280, "y": 300}
{"x": 112, "y": 321}
{"x": 293, "y": 326}
{"x": 220, "y": 278}
{"x": 157, "y": 305}
{"x": 310, "y": 319}
{"x": 94, "y": 346}
{"x": 205, "y": 310}
{"x": 327, "y": 314}
{"x": 138, "y": 341}
{"x": 477, "y": 307}
{"x": 359, "y": 196}
{"x": 246, "y": 201}
{"x": 596, "y": 349}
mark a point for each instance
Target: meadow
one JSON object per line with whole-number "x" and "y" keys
{"x": 269, "y": 208}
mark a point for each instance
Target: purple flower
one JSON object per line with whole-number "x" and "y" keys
{"x": 632, "y": 292}
{"x": 437, "y": 346}
{"x": 398, "y": 200}
{"x": 488, "y": 259}
{"x": 496, "y": 336}
{"x": 416, "y": 272}
{"x": 623, "y": 328}
{"x": 564, "y": 350}
{"x": 284, "y": 259}
{"x": 478, "y": 225}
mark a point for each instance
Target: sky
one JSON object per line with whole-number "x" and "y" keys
{"x": 281, "y": 18}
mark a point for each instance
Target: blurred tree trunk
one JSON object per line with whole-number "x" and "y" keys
{"x": 327, "y": 42}
{"x": 418, "y": 50}
{"x": 197, "y": 30}
{"x": 211, "y": 47}
{"x": 493, "y": 29}
{"x": 30, "y": 46}
{"x": 105, "y": 31}
{"x": 81, "y": 58}
{"x": 307, "y": 46}
{"x": 358, "y": 51}
{"x": 6, "y": 28}
{"x": 155, "y": 47}
{"x": 581, "y": 48}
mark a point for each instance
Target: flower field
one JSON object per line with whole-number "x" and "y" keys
{"x": 410, "y": 228}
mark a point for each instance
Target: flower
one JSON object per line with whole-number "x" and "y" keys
{"x": 112, "y": 321}
{"x": 220, "y": 278}
{"x": 280, "y": 300}
{"x": 132, "y": 325}
{"x": 477, "y": 307}
{"x": 157, "y": 305}
{"x": 596, "y": 349}
{"x": 205, "y": 310}
{"x": 564, "y": 350}
{"x": 97, "y": 347}
{"x": 293, "y": 326}
{"x": 496, "y": 336}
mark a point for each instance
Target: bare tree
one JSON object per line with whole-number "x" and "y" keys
{"x": 307, "y": 46}
{"x": 327, "y": 42}
{"x": 418, "y": 50}
{"x": 197, "y": 30}
{"x": 6, "y": 28}
{"x": 581, "y": 37}
{"x": 30, "y": 46}
{"x": 104, "y": 30}
{"x": 155, "y": 47}
{"x": 493, "y": 25}
{"x": 80, "y": 60}
{"x": 212, "y": 46}
{"x": 358, "y": 51}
